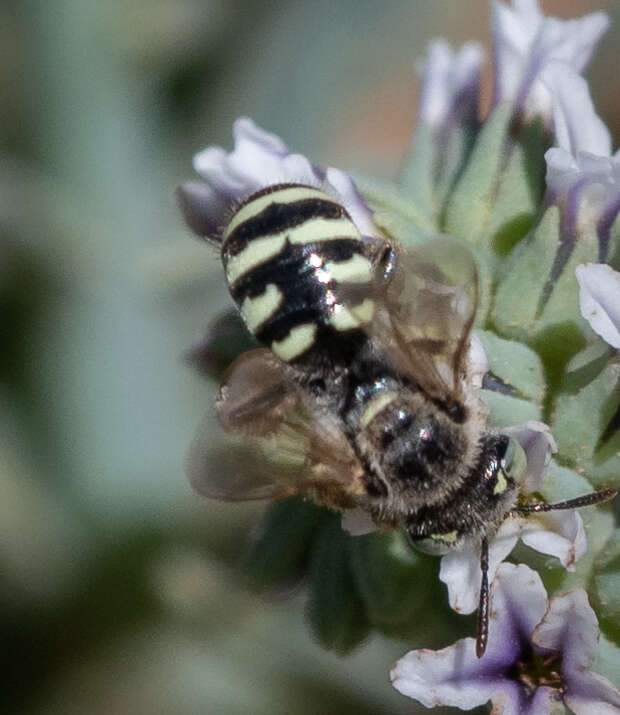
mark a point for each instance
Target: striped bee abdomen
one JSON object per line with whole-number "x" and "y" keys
{"x": 291, "y": 252}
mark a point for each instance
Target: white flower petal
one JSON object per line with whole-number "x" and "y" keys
{"x": 455, "y": 676}
{"x": 577, "y": 126}
{"x": 591, "y": 694}
{"x": 569, "y": 627}
{"x": 477, "y": 361}
{"x": 560, "y": 534}
{"x": 449, "y": 82}
{"x": 538, "y": 444}
{"x": 525, "y": 42}
{"x": 346, "y": 190}
{"x": 599, "y": 300}
{"x": 587, "y": 185}
{"x": 259, "y": 159}
{"x": 460, "y": 569}
{"x": 544, "y": 701}
{"x": 562, "y": 172}
{"x": 357, "y": 522}
{"x": 518, "y": 602}
{"x": 202, "y": 207}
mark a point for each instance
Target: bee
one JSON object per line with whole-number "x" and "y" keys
{"x": 361, "y": 393}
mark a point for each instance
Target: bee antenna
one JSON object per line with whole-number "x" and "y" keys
{"x": 585, "y": 500}
{"x": 482, "y": 635}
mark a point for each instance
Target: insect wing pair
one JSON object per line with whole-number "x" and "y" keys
{"x": 282, "y": 441}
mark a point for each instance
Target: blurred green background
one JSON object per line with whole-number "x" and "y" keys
{"x": 119, "y": 588}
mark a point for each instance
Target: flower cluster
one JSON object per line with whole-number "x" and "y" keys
{"x": 547, "y": 243}
{"x": 540, "y": 654}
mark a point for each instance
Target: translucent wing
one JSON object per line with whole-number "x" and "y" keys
{"x": 225, "y": 339}
{"x": 277, "y": 442}
{"x": 426, "y": 304}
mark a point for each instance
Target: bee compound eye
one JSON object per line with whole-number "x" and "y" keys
{"x": 436, "y": 544}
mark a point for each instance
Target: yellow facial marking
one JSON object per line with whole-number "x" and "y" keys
{"x": 449, "y": 538}
{"x": 255, "y": 253}
{"x": 502, "y": 484}
{"x": 257, "y": 310}
{"x": 382, "y": 400}
{"x": 296, "y": 342}
{"x": 285, "y": 195}
{"x": 356, "y": 269}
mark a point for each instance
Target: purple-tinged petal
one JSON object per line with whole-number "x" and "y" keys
{"x": 577, "y": 126}
{"x": 450, "y": 83}
{"x": 599, "y": 300}
{"x": 202, "y": 208}
{"x": 538, "y": 445}
{"x": 570, "y": 627}
{"x": 455, "y": 676}
{"x": 460, "y": 568}
{"x": 357, "y": 522}
{"x": 588, "y": 188}
{"x": 588, "y": 693}
{"x": 519, "y": 601}
{"x": 344, "y": 187}
{"x": 544, "y": 701}
{"x": 525, "y": 42}
{"x": 559, "y": 534}
{"x": 257, "y": 160}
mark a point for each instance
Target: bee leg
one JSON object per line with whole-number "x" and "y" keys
{"x": 482, "y": 635}
{"x": 585, "y": 500}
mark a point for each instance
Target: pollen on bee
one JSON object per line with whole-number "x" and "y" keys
{"x": 315, "y": 260}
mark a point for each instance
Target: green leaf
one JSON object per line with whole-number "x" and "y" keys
{"x": 505, "y": 410}
{"x": 563, "y": 303}
{"x": 469, "y": 208}
{"x": 418, "y": 174}
{"x": 515, "y": 365}
{"x": 607, "y": 587}
{"x": 613, "y": 257}
{"x": 494, "y": 203}
{"x": 386, "y": 196}
{"x": 522, "y": 277}
{"x": 583, "y": 367}
{"x": 608, "y": 660}
{"x": 605, "y": 470}
{"x": 280, "y": 554}
{"x": 406, "y": 232}
{"x": 580, "y": 420}
{"x": 336, "y": 611}
{"x": 393, "y": 580}
{"x": 520, "y": 188}
{"x": 453, "y": 152}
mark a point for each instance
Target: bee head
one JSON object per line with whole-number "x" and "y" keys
{"x": 487, "y": 495}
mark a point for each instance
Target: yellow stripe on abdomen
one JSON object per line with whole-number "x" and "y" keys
{"x": 255, "y": 253}
{"x": 296, "y": 342}
{"x": 256, "y": 311}
{"x": 284, "y": 195}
